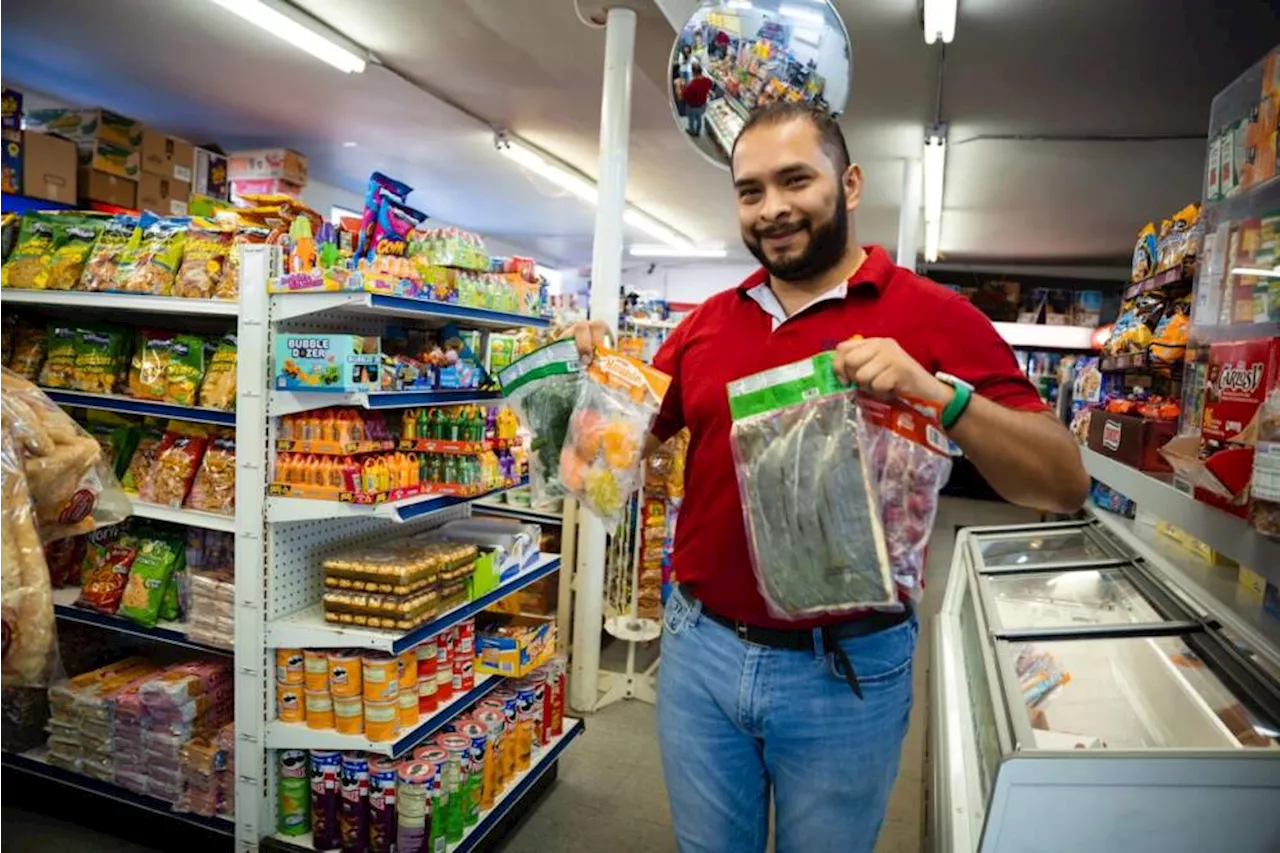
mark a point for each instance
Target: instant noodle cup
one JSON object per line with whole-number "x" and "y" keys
{"x": 289, "y": 703}
{"x": 381, "y": 677}
{"x": 407, "y": 701}
{"x": 319, "y": 706}
{"x": 344, "y": 674}
{"x": 348, "y": 714}
{"x": 289, "y": 666}
{"x": 315, "y": 669}
{"x": 382, "y": 720}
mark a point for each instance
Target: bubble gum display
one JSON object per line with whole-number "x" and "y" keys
{"x": 810, "y": 465}
{"x": 327, "y": 363}
{"x": 616, "y": 405}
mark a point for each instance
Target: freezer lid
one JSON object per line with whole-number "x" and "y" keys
{"x": 1048, "y": 546}
{"x": 1085, "y": 598}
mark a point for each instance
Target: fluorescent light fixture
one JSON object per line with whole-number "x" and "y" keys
{"x": 649, "y": 251}
{"x": 301, "y": 31}
{"x": 1261, "y": 272}
{"x": 802, "y": 14}
{"x": 536, "y": 162}
{"x": 940, "y": 20}
{"x": 642, "y": 221}
{"x": 935, "y": 164}
{"x": 350, "y": 144}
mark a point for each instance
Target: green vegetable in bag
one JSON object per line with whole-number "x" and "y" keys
{"x": 542, "y": 388}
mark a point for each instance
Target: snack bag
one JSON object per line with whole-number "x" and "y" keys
{"x": 59, "y": 368}
{"x": 1146, "y": 253}
{"x": 185, "y": 370}
{"x": 149, "y": 577}
{"x": 64, "y": 557}
{"x": 144, "y": 456}
{"x": 204, "y": 259}
{"x": 218, "y": 390}
{"x": 245, "y": 235}
{"x": 214, "y": 488}
{"x": 28, "y": 264}
{"x": 26, "y": 595}
{"x": 79, "y": 233}
{"x": 177, "y": 460}
{"x": 542, "y": 388}
{"x": 103, "y": 586}
{"x": 150, "y": 363}
{"x": 29, "y": 348}
{"x": 616, "y": 405}
{"x": 156, "y": 263}
{"x": 103, "y": 262}
{"x": 100, "y": 358}
{"x": 116, "y": 435}
{"x": 10, "y": 223}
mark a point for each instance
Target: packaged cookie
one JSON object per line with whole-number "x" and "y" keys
{"x": 153, "y": 269}
{"x": 100, "y": 358}
{"x": 184, "y": 370}
{"x": 102, "y": 265}
{"x": 204, "y": 259}
{"x": 28, "y": 264}
{"x": 78, "y": 235}
{"x": 214, "y": 488}
{"x": 218, "y": 390}
{"x": 148, "y": 369}
{"x": 177, "y": 460}
{"x": 30, "y": 345}
{"x": 60, "y": 361}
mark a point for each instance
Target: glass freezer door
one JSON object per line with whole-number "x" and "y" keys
{"x": 1050, "y": 546}
{"x": 1069, "y": 598}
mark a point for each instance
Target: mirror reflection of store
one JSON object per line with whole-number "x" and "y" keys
{"x": 736, "y": 55}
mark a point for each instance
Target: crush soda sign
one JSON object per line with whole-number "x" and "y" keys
{"x": 1241, "y": 378}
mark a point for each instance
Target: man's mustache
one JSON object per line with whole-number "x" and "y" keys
{"x": 781, "y": 230}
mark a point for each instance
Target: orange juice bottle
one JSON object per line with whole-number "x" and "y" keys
{"x": 284, "y": 431}
{"x": 326, "y": 425}
{"x": 409, "y": 424}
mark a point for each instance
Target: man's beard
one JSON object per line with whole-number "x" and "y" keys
{"x": 827, "y": 244}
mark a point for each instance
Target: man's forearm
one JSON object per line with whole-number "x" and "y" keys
{"x": 1029, "y": 458}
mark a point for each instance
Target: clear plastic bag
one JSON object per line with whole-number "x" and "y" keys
{"x": 838, "y": 494}
{"x": 601, "y": 458}
{"x": 542, "y": 388}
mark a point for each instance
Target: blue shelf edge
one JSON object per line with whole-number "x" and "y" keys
{"x": 401, "y": 399}
{"x": 471, "y": 608}
{"x": 443, "y": 715}
{"x": 435, "y": 503}
{"x": 35, "y": 767}
{"x": 10, "y": 203}
{"x": 129, "y": 406}
{"x": 458, "y": 312}
{"x": 123, "y": 626}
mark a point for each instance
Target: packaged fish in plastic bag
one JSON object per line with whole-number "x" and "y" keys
{"x": 829, "y": 482}
{"x": 601, "y": 458}
{"x": 542, "y": 388}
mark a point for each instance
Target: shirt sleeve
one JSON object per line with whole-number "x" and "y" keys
{"x": 973, "y": 350}
{"x": 670, "y": 418}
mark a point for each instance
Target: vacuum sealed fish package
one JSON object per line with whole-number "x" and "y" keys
{"x": 542, "y": 388}
{"x": 600, "y": 463}
{"x": 838, "y": 493}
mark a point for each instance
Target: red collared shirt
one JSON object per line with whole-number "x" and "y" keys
{"x": 743, "y": 331}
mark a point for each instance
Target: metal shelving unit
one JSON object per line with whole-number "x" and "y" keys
{"x": 129, "y": 406}
{"x": 169, "y": 633}
{"x": 76, "y": 299}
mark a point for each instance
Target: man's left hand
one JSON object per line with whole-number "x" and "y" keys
{"x": 882, "y": 367}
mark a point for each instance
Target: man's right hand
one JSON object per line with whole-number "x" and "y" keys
{"x": 590, "y": 335}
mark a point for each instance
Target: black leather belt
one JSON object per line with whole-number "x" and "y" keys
{"x": 801, "y": 639}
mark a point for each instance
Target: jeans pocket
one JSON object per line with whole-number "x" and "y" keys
{"x": 879, "y": 657}
{"x": 679, "y": 612}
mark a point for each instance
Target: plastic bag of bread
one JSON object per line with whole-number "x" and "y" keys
{"x": 26, "y": 594}
{"x": 71, "y": 486}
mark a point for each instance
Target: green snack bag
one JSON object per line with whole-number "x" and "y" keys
{"x": 169, "y": 609}
{"x": 79, "y": 233}
{"x": 28, "y": 264}
{"x": 103, "y": 263}
{"x": 116, "y": 434}
{"x": 149, "y": 578}
{"x": 542, "y": 388}
{"x": 185, "y": 369}
{"x": 99, "y": 358}
{"x": 60, "y": 362}
{"x": 156, "y": 263}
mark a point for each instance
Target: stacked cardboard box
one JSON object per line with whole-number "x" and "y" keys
{"x": 109, "y": 147}
{"x": 164, "y": 185}
{"x": 267, "y": 170}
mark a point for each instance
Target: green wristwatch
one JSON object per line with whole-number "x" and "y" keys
{"x": 959, "y": 402}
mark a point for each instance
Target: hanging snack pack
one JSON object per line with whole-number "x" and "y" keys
{"x": 600, "y": 460}
{"x": 821, "y": 479}
{"x": 542, "y": 388}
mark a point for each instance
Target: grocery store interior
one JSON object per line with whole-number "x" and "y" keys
{"x": 293, "y": 559}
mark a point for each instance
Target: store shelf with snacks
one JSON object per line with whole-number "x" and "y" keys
{"x": 1179, "y": 276}
{"x": 187, "y": 517}
{"x": 36, "y": 763}
{"x": 282, "y": 735}
{"x": 293, "y": 402}
{"x": 503, "y": 807}
{"x": 1235, "y": 332}
{"x": 1138, "y": 362}
{"x": 281, "y": 508}
{"x": 132, "y": 302}
{"x": 329, "y": 305}
{"x": 130, "y": 406}
{"x": 170, "y": 633}
{"x": 307, "y": 628}
{"x": 1044, "y": 336}
{"x": 1221, "y": 531}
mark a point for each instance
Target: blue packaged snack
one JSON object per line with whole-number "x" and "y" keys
{"x": 392, "y": 226}
{"x": 380, "y": 186}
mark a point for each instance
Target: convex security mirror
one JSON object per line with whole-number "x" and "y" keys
{"x": 735, "y": 55}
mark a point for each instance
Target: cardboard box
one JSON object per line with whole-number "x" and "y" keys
{"x": 1133, "y": 440}
{"x": 102, "y": 156}
{"x": 10, "y": 109}
{"x": 267, "y": 163}
{"x": 514, "y": 655}
{"x": 167, "y": 156}
{"x": 48, "y": 167}
{"x": 165, "y": 196}
{"x": 11, "y": 161}
{"x": 327, "y": 363}
{"x": 108, "y": 189}
{"x": 88, "y": 126}
{"x": 209, "y": 175}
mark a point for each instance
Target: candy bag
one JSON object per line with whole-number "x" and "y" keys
{"x": 616, "y": 405}
{"x": 218, "y": 390}
{"x": 79, "y": 233}
{"x": 28, "y": 264}
{"x": 542, "y": 388}
{"x": 103, "y": 262}
{"x": 156, "y": 262}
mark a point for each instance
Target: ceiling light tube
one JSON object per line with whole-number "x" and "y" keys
{"x": 535, "y": 161}
{"x": 940, "y": 20}
{"x": 301, "y": 31}
{"x": 935, "y": 164}
{"x": 647, "y": 251}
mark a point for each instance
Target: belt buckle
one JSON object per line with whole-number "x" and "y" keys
{"x": 741, "y": 630}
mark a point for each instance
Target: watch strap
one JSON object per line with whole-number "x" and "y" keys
{"x": 959, "y": 401}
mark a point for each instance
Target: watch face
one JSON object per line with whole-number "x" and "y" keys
{"x": 952, "y": 380}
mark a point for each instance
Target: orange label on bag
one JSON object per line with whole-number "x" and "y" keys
{"x": 912, "y": 418}
{"x": 638, "y": 380}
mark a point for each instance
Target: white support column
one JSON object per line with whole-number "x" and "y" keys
{"x": 909, "y": 213}
{"x": 606, "y": 279}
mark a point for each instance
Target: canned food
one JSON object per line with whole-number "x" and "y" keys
{"x": 382, "y": 720}
{"x": 494, "y": 780}
{"x": 427, "y": 696}
{"x": 353, "y": 808}
{"x": 293, "y": 804}
{"x": 478, "y": 733}
{"x": 463, "y": 673}
{"x": 526, "y": 693}
{"x": 344, "y": 674}
{"x": 381, "y": 677}
{"x": 432, "y": 754}
{"x": 319, "y": 709}
{"x": 315, "y": 667}
{"x": 348, "y": 714}
{"x": 413, "y": 821}
{"x": 383, "y": 777}
{"x": 454, "y": 784}
{"x": 289, "y": 703}
{"x": 408, "y": 705}
{"x": 293, "y": 763}
{"x": 289, "y": 666}
{"x": 408, "y": 669}
{"x": 326, "y": 772}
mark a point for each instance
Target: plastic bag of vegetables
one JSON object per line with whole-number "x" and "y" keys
{"x": 542, "y": 388}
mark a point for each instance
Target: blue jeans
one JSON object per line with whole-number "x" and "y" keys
{"x": 693, "y": 118}
{"x": 736, "y": 719}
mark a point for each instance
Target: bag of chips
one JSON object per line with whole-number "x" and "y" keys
{"x": 79, "y": 233}
{"x": 148, "y": 368}
{"x": 214, "y": 489}
{"x": 246, "y": 235}
{"x": 28, "y": 263}
{"x": 59, "y": 369}
{"x": 616, "y": 405}
{"x": 9, "y": 223}
{"x": 116, "y": 434}
{"x": 177, "y": 460}
{"x": 156, "y": 263}
{"x": 144, "y": 456}
{"x": 149, "y": 578}
{"x": 29, "y": 348}
{"x": 204, "y": 259}
{"x": 185, "y": 369}
{"x": 542, "y": 388}
{"x": 101, "y": 353}
{"x": 103, "y": 586}
{"x": 218, "y": 390}
{"x": 102, "y": 266}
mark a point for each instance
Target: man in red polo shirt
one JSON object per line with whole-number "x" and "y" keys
{"x": 695, "y": 94}
{"x": 813, "y": 711}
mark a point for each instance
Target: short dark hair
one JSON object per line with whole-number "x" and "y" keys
{"x": 697, "y": 68}
{"x": 830, "y": 136}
